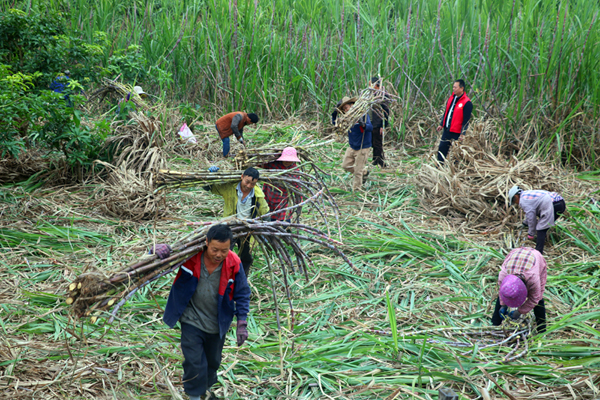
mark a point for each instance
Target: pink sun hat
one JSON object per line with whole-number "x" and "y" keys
{"x": 513, "y": 291}
{"x": 289, "y": 154}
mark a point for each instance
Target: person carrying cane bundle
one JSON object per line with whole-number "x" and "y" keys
{"x": 209, "y": 289}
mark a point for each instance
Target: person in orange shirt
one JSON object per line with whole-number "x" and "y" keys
{"x": 233, "y": 124}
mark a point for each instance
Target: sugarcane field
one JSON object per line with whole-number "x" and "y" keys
{"x": 300, "y": 199}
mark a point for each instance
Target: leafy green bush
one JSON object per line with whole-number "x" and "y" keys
{"x": 46, "y": 119}
{"x": 37, "y": 43}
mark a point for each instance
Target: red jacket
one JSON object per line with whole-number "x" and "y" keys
{"x": 234, "y": 293}
{"x": 456, "y": 124}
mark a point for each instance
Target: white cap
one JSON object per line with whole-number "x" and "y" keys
{"x": 139, "y": 90}
{"x": 512, "y": 192}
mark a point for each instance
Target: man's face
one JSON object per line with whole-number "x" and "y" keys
{"x": 247, "y": 183}
{"x": 217, "y": 251}
{"x": 374, "y": 85}
{"x": 457, "y": 90}
{"x": 347, "y": 107}
{"x": 516, "y": 199}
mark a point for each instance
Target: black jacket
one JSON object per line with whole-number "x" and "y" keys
{"x": 376, "y": 120}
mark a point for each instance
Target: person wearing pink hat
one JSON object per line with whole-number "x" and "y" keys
{"x": 277, "y": 197}
{"x": 522, "y": 282}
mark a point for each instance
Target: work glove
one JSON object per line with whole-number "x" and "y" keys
{"x": 530, "y": 237}
{"x": 161, "y": 250}
{"x": 504, "y": 312}
{"x": 213, "y": 169}
{"x": 242, "y": 332}
{"x": 242, "y": 142}
{"x": 514, "y": 315}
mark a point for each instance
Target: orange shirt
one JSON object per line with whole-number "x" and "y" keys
{"x": 224, "y": 123}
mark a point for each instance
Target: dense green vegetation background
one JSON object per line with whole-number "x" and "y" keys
{"x": 531, "y": 64}
{"x": 284, "y": 55}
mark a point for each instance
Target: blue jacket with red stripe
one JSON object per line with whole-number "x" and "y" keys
{"x": 234, "y": 292}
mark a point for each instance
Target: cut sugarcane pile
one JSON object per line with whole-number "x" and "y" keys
{"x": 369, "y": 99}
{"x": 91, "y": 294}
{"x": 471, "y": 188}
{"x": 512, "y": 337}
{"x": 246, "y": 158}
{"x": 121, "y": 90}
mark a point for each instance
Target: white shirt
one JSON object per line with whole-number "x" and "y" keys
{"x": 244, "y": 207}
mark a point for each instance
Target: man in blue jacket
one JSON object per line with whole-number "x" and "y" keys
{"x": 359, "y": 139}
{"x": 209, "y": 289}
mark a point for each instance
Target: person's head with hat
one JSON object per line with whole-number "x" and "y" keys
{"x": 289, "y": 156}
{"x": 140, "y": 92}
{"x": 513, "y": 291}
{"x": 514, "y": 195}
{"x": 346, "y": 104}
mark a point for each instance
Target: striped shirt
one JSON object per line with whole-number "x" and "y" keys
{"x": 520, "y": 260}
{"x": 534, "y": 194}
{"x": 538, "y": 203}
{"x": 529, "y": 265}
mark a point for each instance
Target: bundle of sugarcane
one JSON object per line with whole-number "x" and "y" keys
{"x": 246, "y": 158}
{"x": 122, "y": 90}
{"x": 298, "y": 185}
{"x": 369, "y": 99}
{"x": 92, "y": 294}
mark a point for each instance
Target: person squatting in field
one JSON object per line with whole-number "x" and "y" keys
{"x": 209, "y": 289}
{"x": 233, "y": 124}
{"x": 277, "y": 197}
{"x": 359, "y": 140}
{"x": 547, "y": 206}
{"x": 522, "y": 281}
{"x": 455, "y": 120}
{"x": 245, "y": 200}
{"x": 379, "y": 120}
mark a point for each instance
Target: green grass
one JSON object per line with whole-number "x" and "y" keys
{"x": 414, "y": 283}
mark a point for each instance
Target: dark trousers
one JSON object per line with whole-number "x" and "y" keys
{"x": 445, "y": 144}
{"x": 244, "y": 253}
{"x": 539, "y": 311}
{"x": 378, "y": 155}
{"x": 540, "y": 241}
{"x": 202, "y": 358}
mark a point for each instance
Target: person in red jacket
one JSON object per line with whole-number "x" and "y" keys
{"x": 209, "y": 289}
{"x": 456, "y": 118}
{"x": 233, "y": 124}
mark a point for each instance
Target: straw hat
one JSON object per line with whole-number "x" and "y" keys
{"x": 139, "y": 91}
{"x": 347, "y": 100}
{"x": 513, "y": 291}
{"x": 289, "y": 154}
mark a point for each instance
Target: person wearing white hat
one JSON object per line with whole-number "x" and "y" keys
{"x": 140, "y": 92}
{"x": 277, "y": 197}
{"x": 547, "y": 206}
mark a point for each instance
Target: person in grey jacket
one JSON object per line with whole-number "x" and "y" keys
{"x": 547, "y": 206}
